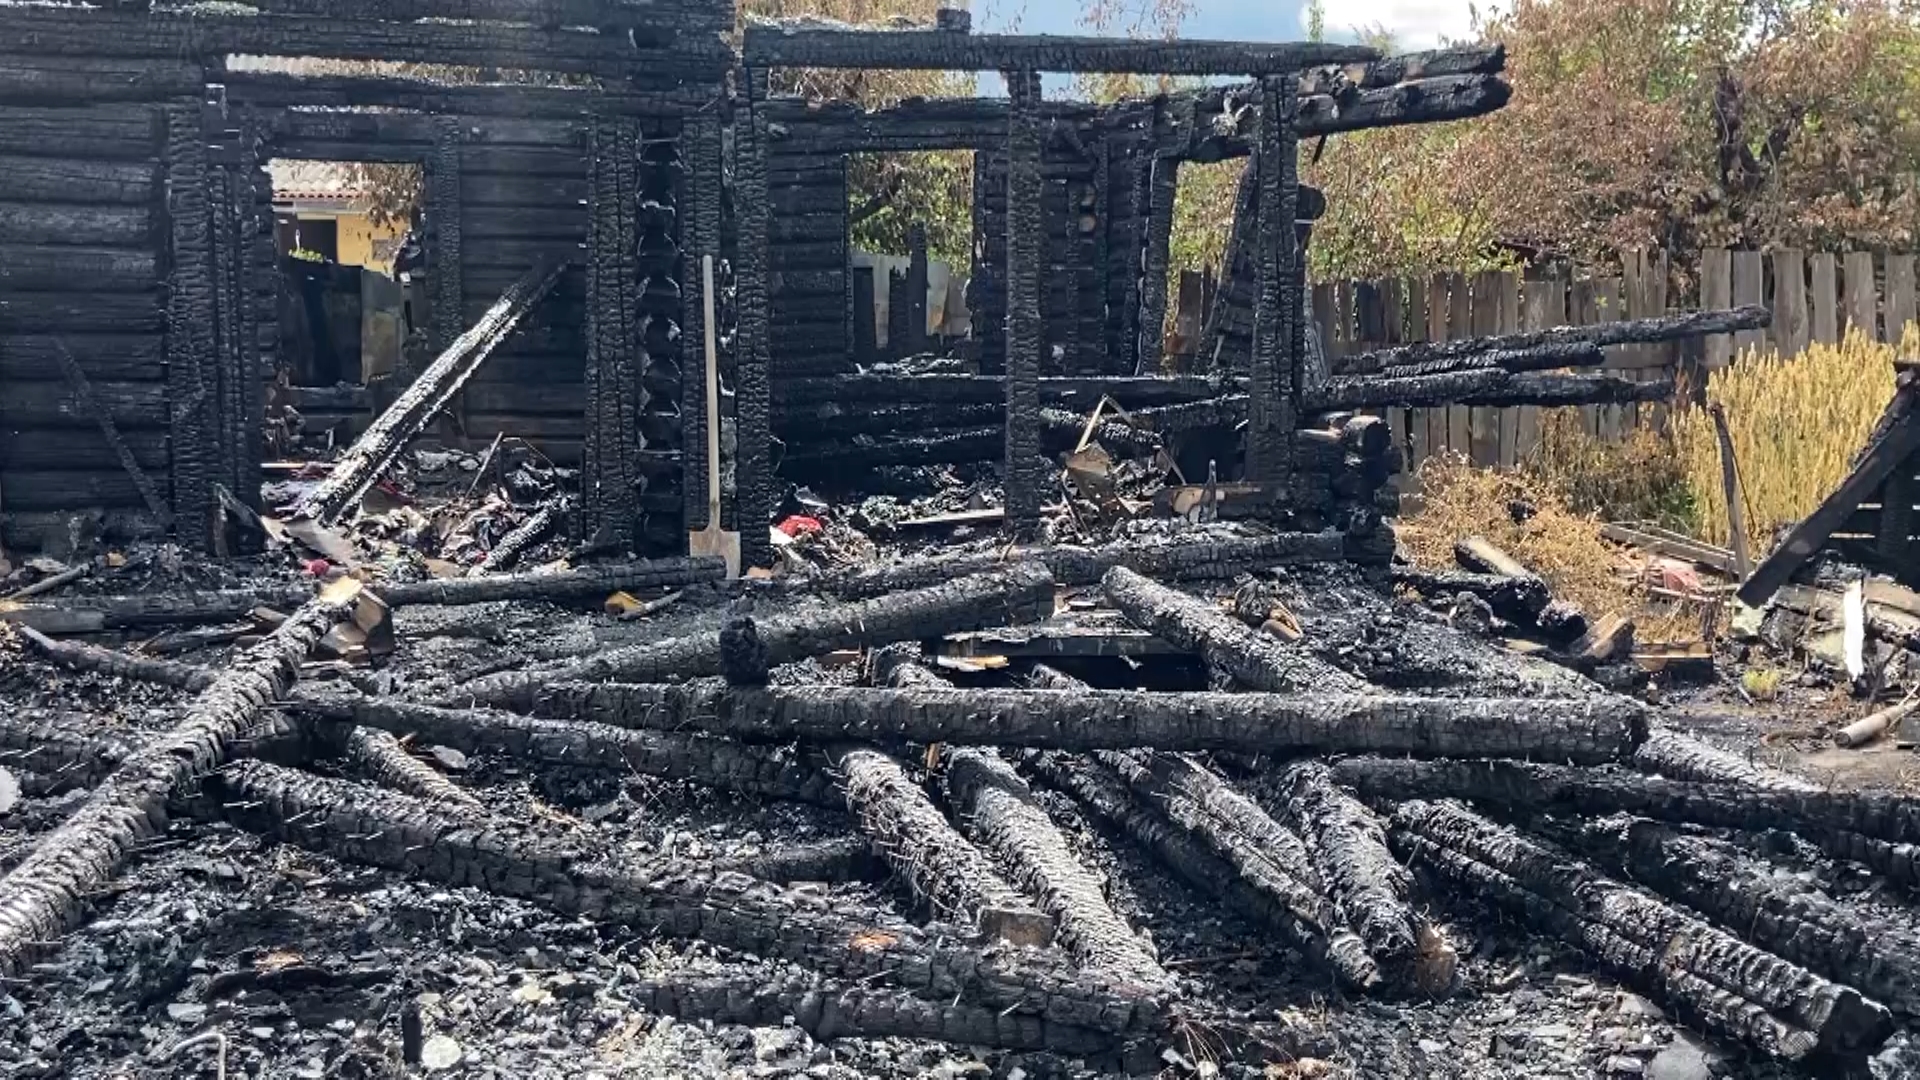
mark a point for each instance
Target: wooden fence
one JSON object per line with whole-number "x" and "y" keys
{"x": 1815, "y": 297}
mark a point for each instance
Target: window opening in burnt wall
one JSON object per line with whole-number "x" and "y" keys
{"x": 347, "y": 244}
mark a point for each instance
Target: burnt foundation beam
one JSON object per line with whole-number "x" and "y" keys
{"x": 1255, "y": 660}
{"x": 675, "y": 900}
{"x": 1723, "y": 984}
{"x": 1592, "y": 730}
{"x": 1026, "y": 330}
{"x": 374, "y": 452}
{"x": 47, "y": 892}
{"x": 1008, "y": 598}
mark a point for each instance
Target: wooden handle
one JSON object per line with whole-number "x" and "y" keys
{"x": 713, "y": 394}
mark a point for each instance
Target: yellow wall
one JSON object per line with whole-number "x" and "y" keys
{"x": 357, "y": 238}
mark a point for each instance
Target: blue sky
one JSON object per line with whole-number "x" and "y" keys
{"x": 1416, "y": 24}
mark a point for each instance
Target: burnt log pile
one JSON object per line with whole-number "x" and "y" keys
{"x": 1304, "y": 791}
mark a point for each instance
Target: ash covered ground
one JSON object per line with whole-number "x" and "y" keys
{"x": 217, "y": 950}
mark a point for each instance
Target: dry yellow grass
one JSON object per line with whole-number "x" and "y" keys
{"x": 1562, "y": 546}
{"x": 1796, "y": 423}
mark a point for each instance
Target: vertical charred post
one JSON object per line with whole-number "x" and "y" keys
{"x": 916, "y": 311}
{"x": 189, "y": 323}
{"x": 700, "y": 240}
{"x": 601, "y": 147}
{"x": 443, "y": 219}
{"x": 1277, "y": 302}
{"x": 1162, "y": 185}
{"x": 1024, "y": 327}
{"x": 753, "y": 495}
{"x": 1282, "y": 97}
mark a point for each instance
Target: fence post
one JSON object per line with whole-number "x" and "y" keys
{"x": 1790, "y": 333}
{"x": 1716, "y": 294}
{"x": 1900, "y": 300}
{"x": 1823, "y": 297}
{"x": 1863, "y": 302}
{"x": 1544, "y": 307}
{"x": 1459, "y": 325}
{"x": 1749, "y": 287}
{"x": 1417, "y": 436}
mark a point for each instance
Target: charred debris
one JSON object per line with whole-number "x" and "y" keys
{"x": 1004, "y": 602}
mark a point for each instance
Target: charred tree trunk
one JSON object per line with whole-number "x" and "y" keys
{"x": 945, "y": 871}
{"x": 47, "y": 892}
{"x": 1016, "y": 595}
{"x": 1256, "y": 660}
{"x": 375, "y": 828}
{"x": 1727, "y": 986}
{"x": 375, "y": 450}
{"x": 1588, "y": 730}
{"x": 1883, "y": 816}
{"x": 771, "y": 772}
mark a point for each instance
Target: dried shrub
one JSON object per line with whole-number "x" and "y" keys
{"x": 1796, "y": 422}
{"x": 1529, "y": 519}
{"x": 1639, "y": 478}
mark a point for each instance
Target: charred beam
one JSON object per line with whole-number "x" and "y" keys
{"x": 376, "y": 449}
{"x": 945, "y": 871}
{"x": 1591, "y": 730}
{"x": 1773, "y": 911}
{"x": 1481, "y": 352}
{"x": 525, "y": 535}
{"x": 1678, "y": 756}
{"x": 1258, "y": 661}
{"x": 1884, "y": 816}
{"x": 1186, "y": 559}
{"x": 1727, "y": 986}
{"x": 769, "y": 44}
{"x": 1368, "y": 886}
{"x": 769, "y": 771}
{"x": 1015, "y": 595}
{"x": 47, "y": 892}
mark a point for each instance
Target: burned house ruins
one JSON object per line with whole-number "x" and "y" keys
{"x": 1125, "y": 756}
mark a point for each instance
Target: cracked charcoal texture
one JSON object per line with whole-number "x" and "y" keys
{"x": 1025, "y": 328}
{"x": 1369, "y": 888}
{"x": 47, "y": 891}
{"x": 1726, "y": 985}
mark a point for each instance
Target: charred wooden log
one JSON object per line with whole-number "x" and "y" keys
{"x": 376, "y": 828}
{"x": 1015, "y": 595}
{"x": 1883, "y": 816}
{"x": 1256, "y": 660}
{"x": 1552, "y": 390}
{"x": 1182, "y": 560}
{"x": 945, "y": 871}
{"x": 92, "y": 614}
{"x": 843, "y": 859}
{"x": 1677, "y": 756}
{"x": 1468, "y": 353}
{"x": 375, "y": 450}
{"x": 377, "y": 753}
{"x": 1368, "y": 887}
{"x": 1544, "y": 357}
{"x": 1061, "y": 431}
{"x": 771, "y": 772}
{"x": 1266, "y": 854}
{"x": 1590, "y": 730}
{"x": 1000, "y": 809}
{"x": 1518, "y": 600}
{"x": 525, "y": 535}
{"x": 48, "y": 891}
{"x": 1796, "y": 921}
{"x": 1727, "y": 986}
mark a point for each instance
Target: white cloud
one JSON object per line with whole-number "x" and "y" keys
{"x": 1415, "y": 24}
